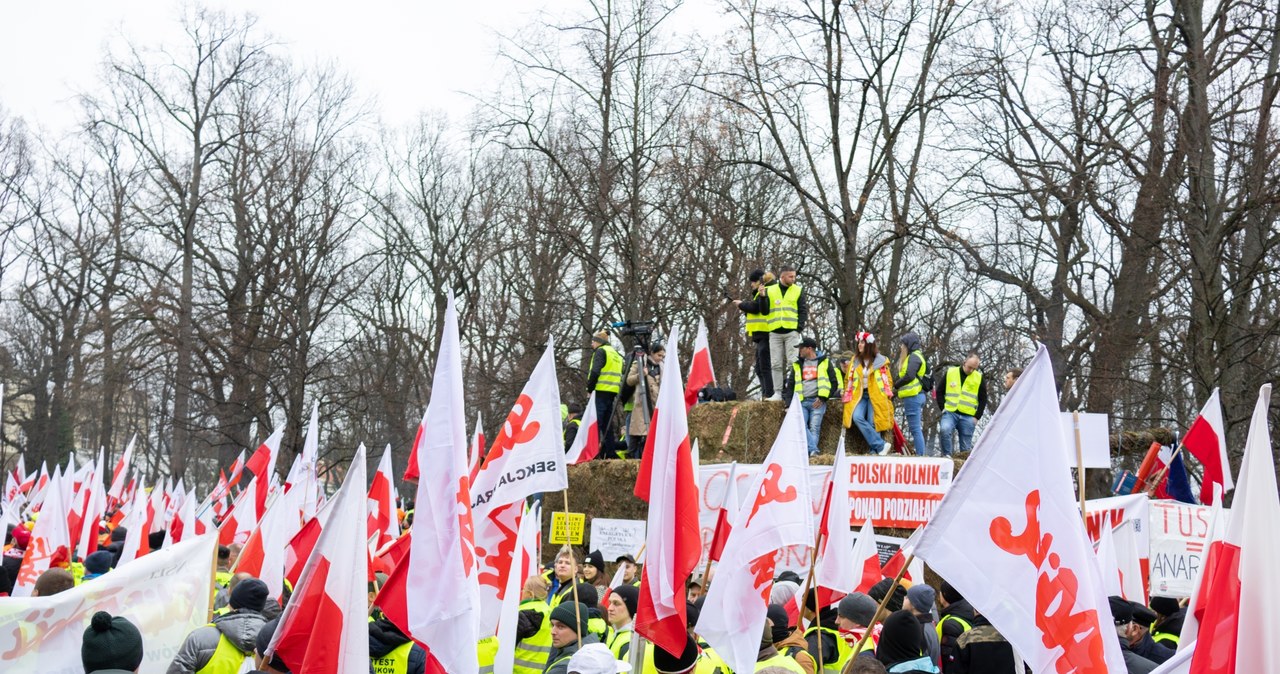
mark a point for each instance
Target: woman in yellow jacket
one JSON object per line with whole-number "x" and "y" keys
{"x": 868, "y": 392}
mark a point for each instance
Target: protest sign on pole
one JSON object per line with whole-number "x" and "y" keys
{"x": 1179, "y": 541}
{"x": 614, "y": 538}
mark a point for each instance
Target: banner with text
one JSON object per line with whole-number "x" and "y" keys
{"x": 1132, "y": 508}
{"x": 1179, "y": 541}
{"x": 615, "y": 538}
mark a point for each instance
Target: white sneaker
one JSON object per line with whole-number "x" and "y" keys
{"x": 884, "y": 451}
{"x": 776, "y": 396}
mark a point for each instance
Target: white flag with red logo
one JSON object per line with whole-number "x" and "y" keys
{"x": 1236, "y": 604}
{"x": 672, "y": 541}
{"x": 50, "y": 544}
{"x": 432, "y": 595}
{"x": 700, "y": 371}
{"x": 121, "y": 473}
{"x": 524, "y": 562}
{"x": 1206, "y": 439}
{"x": 1009, "y": 537}
{"x": 325, "y": 628}
{"x": 778, "y": 513}
{"x": 586, "y": 442}
{"x": 384, "y": 527}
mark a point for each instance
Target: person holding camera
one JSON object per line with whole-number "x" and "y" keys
{"x": 644, "y": 394}
{"x": 605, "y": 380}
{"x": 756, "y": 313}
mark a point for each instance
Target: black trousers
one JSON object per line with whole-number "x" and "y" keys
{"x": 604, "y": 424}
{"x": 764, "y": 369}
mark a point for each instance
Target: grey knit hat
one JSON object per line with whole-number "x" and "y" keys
{"x": 857, "y": 607}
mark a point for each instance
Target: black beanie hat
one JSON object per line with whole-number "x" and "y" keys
{"x": 630, "y": 595}
{"x": 98, "y": 562}
{"x": 900, "y": 640}
{"x": 568, "y": 612}
{"x": 587, "y": 594}
{"x": 596, "y": 559}
{"x": 691, "y": 613}
{"x": 755, "y": 275}
{"x": 778, "y": 614}
{"x": 250, "y": 593}
{"x": 110, "y": 643}
{"x": 1165, "y": 606}
{"x": 263, "y": 640}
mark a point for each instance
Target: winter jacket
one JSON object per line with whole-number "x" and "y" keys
{"x": 794, "y": 646}
{"x": 558, "y": 663}
{"x": 240, "y": 627}
{"x": 921, "y": 665}
{"x": 1149, "y": 649}
{"x": 912, "y": 340}
{"x": 385, "y": 637}
{"x": 983, "y": 650}
{"x": 950, "y": 627}
{"x": 932, "y": 647}
{"x": 1134, "y": 663}
{"x": 881, "y": 390}
{"x": 11, "y": 565}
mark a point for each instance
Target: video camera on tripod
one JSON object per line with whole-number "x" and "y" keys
{"x": 641, "y": 332}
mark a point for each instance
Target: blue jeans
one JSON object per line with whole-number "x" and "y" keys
{"x": 961, "y": 423}
{"x": 813, "y": 421}
{"x": 864, "y": 417}
{"x": 913, "y": 410}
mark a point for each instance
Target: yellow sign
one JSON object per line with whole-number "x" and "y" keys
{"x": 567, "y": 528}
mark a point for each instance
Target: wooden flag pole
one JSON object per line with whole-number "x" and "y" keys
{"x": 213, "y": 581}
{"x": 577, "y": 606}
{"x": 1075, "y": 420}
{"x": 884, "y": 602}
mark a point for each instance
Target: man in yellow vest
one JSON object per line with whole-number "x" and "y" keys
{"x": 788, "y": 314}
{"x": 756, "y": 316}
{"x": 604, "y": 378}
{"x": 956, "y": 618}
{"x": 621, "y": 612}
{"x": 963, "y": 399}
{"x": 814, "y": 377}
{"x": 391, "y": 651}
{"x": 533, "y": 631}
{"x": 221, "y": 647}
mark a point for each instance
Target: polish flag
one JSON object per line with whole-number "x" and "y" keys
{"x": 116, "y": 493}
{"x": 893, "y": 566}
{"x": 1132, "y": 584}
{"x": 388, "y": 558}
{"x": 1009, "y": 537}
{"x": 303, "y": 474}
{"x": 1207, "y": 441}
{"x": 841, "y": 566}
{"x": 383, "y": 525}
{"x": 524, "y": 563}
{"x": 243, "y": 517}
{"x": 477, "y": 449}
{"x": 527, "y": 458}
{"x": 183, "y": 525}
{"x": 729, "y": 507}
{"x": 91, "y": 516}
{"x": 225, "y": 483}
{"x": 586, "y": 443}
{"x": 50, "y": 544}
{"x": 433, "y": 595}
{"x": 1240, "y": 590}
{"x": 778, "y": 513}
{"x": 700, "y": 371}
{"x": 304, "y": 540}
{"x": 1217, "y": 532}
{"x": 136, "y": 523}
{"x": 672, "y": 540}
{"x": 263, "y": 467}
{"x": 325, "y": 628}
{"x": 263, "y": 556}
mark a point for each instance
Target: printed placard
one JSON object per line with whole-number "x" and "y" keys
{"x": 1179, "y": 544}
{"x": 897, "y": 492}
{"x": 615, "y": 538}
{"x": 566, "y": 528}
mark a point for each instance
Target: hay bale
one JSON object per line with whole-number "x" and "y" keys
{"x": 755, "y": 425}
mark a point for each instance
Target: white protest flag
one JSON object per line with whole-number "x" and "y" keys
{"x": 837, "y": 569}
{"x": 50, "y": 541}
{"x": 432, "y": 594}
{"x": 527, "y": 457}
{"x": 1008, "y": 536}
{"x": 1129, "y": 562}
{"x": 1107, "y": 562}
{"x": 165, "y": 594}
{"x": 524, "y": 562}
{"x": 91, "y": 517}
{"x": 477, "y": 449}
{"x": 778, "y": 513}
{"x": 303, "y": 473}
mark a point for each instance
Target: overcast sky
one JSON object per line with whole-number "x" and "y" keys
{"x": 412, "y": 55}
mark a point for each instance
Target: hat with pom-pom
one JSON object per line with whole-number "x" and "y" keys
{"x": 110, "y": 643}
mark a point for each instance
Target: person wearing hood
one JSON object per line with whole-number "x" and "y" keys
{"x": 391, "y": 651}
{"x": 568, "y": 634}
{"x": 962, "y": 402}
{"x": 910, "y": 386}
{"x": 621, "y": 611}
{"x": 813, "y": 377}
{"x": 116, "y": 546}
{"x": 224, "y": 644}
{"x": 788, "y": 641}
{"x": 12, "y": 562}
{"x": 901, "y": 646}
{"x": 110, "y": 645}
{"x": 96, "y": 564}
{"x": 919, "y": 602}
{"x": 868, "y": 393}
{"x": 956, "y": 619}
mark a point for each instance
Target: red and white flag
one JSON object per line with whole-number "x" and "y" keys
{"x": 1217, "y": 532}
{"x": 586, "y": 442}
{"x": 137, "y": 524}
{"x": 120, "y": 475}
{"x": 325, "y": 628}
{"x": 1129, "y": 562}
{"x": 729, "y": 507}
{"x": 845, "y": 564}
{"x": 91, "y": 516}
{"x": 263, "y": 467}
{"x": 893, "y": 565}
{"x": 527, "y": 458}
{"x": 524, "y": 563}
{"x": 477, "y": 449}
{"x": 1237, "y": 602}
{"x": 1009, "y": 537}
{"x": 672, "y": 541}
{"x": 263, "y": 555}
{"x": 700, "y": 370}
{"x": 778, "y": 513}
{"x": 50, "y": 544}
{"x": 1107, "y": 561}
{"x": 1207, "y": 441}
{"x": 384, "y": 526}
{"x": 183, "y": 526}
{"x": 433, "y": 595}
{"x": 243, "y": 517}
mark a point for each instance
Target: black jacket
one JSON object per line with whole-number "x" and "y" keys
{"x": 912, "y": 340}
{"x": 951, "y": 631}
{"x": 1149, "y": 649}
{"x": 818, "y": 639}
{"x": 983, "y": 650}
{"x": 941, "y": 397}
{"x": 385, "y": 637}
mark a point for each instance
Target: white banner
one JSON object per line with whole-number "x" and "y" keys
{"x": 713, "y": 480}
{"x": 165, "y": 594}
{"x": 1179, "y": 541}
{"x": 1134, "y": 509}
{"x": 615, "y": 538}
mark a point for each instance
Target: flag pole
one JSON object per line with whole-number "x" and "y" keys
{"x": 213, "y": 575}
{"x": 813, "y": 564}
{"x": 884, "y": 602}
{"x": 577, "y": 606}
{"x": 1075, "y": 420}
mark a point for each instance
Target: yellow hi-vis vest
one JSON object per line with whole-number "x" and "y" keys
{"x": 914, "y": 387}
{"x": 962, "y": 398}
{"x": 222, "y": 578}
{"x": 610, "y": 379}
{"x": 964, "y": 624}
{"x": 757, "y": 322}
{"x": 397, "y": 661}
{"x": 784, "y": 662}
{"x": 1166, "y": 639}
{"x": 843, "y": 650}
{"x": 618, "y": 641}
{"x": 532, "y": 653}
{"x": 226, "y": 659}
{"x": 784, "y": 307}
{"x": 825, "y": 385}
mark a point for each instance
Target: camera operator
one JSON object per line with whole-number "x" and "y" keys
{"x": 756, "y": 312}
{"x": 643, "y": 395}
{"x": 605, "y": 379}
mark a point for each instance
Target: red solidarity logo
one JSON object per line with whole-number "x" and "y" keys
{"x": 771, "y": 491}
